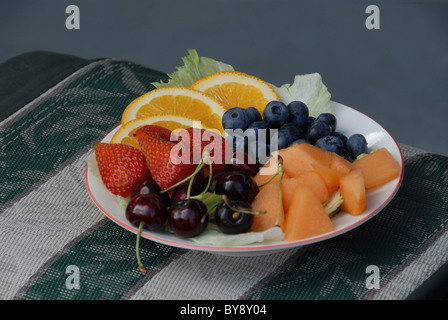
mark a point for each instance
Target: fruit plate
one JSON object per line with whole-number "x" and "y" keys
{"x": 350, "y": 121}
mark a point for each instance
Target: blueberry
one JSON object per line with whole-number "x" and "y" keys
{"x": 276, "y": 113}
{"x": 238, "y": 142}
{"x": 308, "y": 122}
{"x": 328, "y": 118}
{"x": 356, "y": 144}
{"x": 299, "y": 113}
{"x": 341, "y": 136}
{"x": 316, "y": 130}
{"x": 257, "y": 126}
{"x": 264, "y": 153}
{"x": 295, "y": 131}
{"x": 285, "y": 137}
{"x": 235, "y": 118}
{"x": 330, "y": 143}
{"x": 254, "y": 114}
{"x": 259, "y": 151}
{"x": 299, "y": 141}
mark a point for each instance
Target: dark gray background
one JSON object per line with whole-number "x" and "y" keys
{"x": 398, "y": 75}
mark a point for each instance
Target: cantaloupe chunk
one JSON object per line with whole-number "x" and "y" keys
{"x": 329, "y": 176}
{"x": 300, "y": 157}
{"x": 315, "y": 154}
{"x": 306, "y": 216}
{"x": 339, "y": 164}
{"x": 268, "y": 200}
{"x": 309, "y": 179}
{"x": 264, "y": 175}
{"x": 378, "y": 168}
{"x": 353, "y": 192}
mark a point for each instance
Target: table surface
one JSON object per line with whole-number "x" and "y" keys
{"x": 52, "y": 234}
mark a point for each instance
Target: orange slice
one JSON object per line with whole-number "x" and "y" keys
{"x": 126, "y": 132}
{"x": 176, "y": 101}
{"x": 237, "y": 89}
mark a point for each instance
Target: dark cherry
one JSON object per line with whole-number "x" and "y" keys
{"x": 215, "y": 179}
{"x": 146, "y": 211}
{"x": 197, "y": 180}
{"x": 241, "y": 161}
{"x": 150, "y": 186}
{"x": 147, "y": 208}
{"x": 237, "y": 185}
{"x": 230, "y": 221}
{"x": 181, "y": 193}
{"x": 188, "y": 218}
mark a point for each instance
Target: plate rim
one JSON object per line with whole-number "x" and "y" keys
{"x": 256, "y": 248}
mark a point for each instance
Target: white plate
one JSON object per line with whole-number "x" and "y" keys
{"x": 350, "y": 121}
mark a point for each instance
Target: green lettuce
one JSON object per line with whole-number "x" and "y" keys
{"x": 213, "y": 236}
{"x": 309, "y": 89}
{"x": 194, "y": 68}
{"x": 333, "y": 204}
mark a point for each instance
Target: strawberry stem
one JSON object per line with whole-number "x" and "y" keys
{"x": 137, "y": 249}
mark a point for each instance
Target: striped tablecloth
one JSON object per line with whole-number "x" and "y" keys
{"x": 52, "y": 234}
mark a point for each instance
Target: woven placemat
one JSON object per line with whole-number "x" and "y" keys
{"x": 49, "y": 225}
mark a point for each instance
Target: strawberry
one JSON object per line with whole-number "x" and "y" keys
{"x": 121, "y": 167}
{"x": 165, "y": 170}
{"x": 200, "y": 140}
{"x": 153, "y": 131}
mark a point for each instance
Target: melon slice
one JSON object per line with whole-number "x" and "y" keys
{"x": 306, "y": 216}
{"x": 329, "y": 176}
{"x": 268, "y": 200}
{"x": 352, "y": 189}
{"x": 378, "y": 168}
{"x": 300, "y": 158}
{"x": 309, "y": 179}
{"x": 264, "y": 175}
{"x": 340, "y": 164}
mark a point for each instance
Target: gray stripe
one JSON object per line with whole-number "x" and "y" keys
{"x": 281, "y": 269}
{"x": 152, "y": 274}
{"x": 200, "y": 275}
{"x": 32, "y": 280}
{"x": 35, "y": 227}
{"x": 33, "y": 105}
{"x": 419, "y": 266}
{"x": 50, "y": 93}
{"x": 416, "y": 270}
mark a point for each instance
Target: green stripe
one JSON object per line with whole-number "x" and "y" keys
{"x": 48, "y": 136}
{"x": 54, "y": 131}
{"x": 107, "y": 267}
{"x": 387, "y": 240}
{"x": 24, "y": 77}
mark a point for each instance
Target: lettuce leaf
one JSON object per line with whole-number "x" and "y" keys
{"x": 194, "y": 68}
{"x": 309, "y": 89}
{"x": 213, "y": 236}
{"x": 333, "y": 204}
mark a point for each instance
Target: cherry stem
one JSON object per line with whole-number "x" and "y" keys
{"x": 237, "y": 212}
{"x": 190, "y": 177}
{"x": 209, "y": 177}
{"x": 137, "y": 246}
{"x": 206, "y": 189}
{"x": 269, "y": 180}
{"x": 189, "y": 187}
